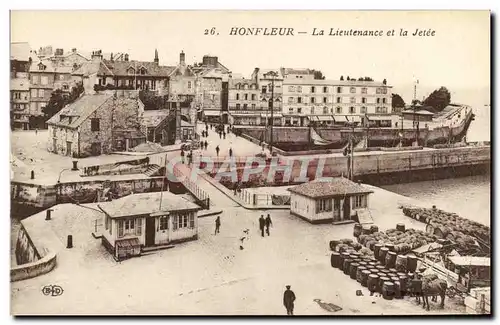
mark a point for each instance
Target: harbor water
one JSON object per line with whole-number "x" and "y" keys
{"x": 467, "y": 196}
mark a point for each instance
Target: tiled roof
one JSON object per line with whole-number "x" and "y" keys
{"x": 120, "y": 68}
{"x": 182, "y": 70}
{"x": 50, "y": 67}
{"x": 337, "y": 186}
{"x": 153, "y": 118}
{"x": 233, "y": 82}
{"x": 19, "y": 84}
{"x": 79, "y": 110}
{"x": 21, "y": 51}
{"x": 146, "y": 203}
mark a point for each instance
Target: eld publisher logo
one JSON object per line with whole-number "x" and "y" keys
{"x": 52, "y": 290}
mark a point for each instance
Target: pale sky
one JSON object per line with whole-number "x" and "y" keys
{"x": 458, "y": 56}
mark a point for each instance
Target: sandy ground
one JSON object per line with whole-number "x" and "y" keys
{"x": 212, "y": 276}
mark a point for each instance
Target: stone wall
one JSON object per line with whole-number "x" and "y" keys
{"x": 26, "y": 252}
{"x": 33, "y": 269}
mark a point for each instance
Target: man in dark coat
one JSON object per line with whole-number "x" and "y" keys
{"x": 217, "y": 225}
{"x": 217, "y": 150}
{"x": 268, "y": 223}
{"x": 182, "y": 155}
{"x": 262, "y": 224}
{"x": 288, "y": 300}
{"x": 206, "y": 144}
{"x": 230, "y": 152}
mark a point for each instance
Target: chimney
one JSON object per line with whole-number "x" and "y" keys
{"x": 73, "y": 50}
{"x": 96, "y": 55}
{"x": 182, "y": 58}
{"x": 156, "y": 60}
{"x": 126, "y": 57}
{"x": 59, "y": 52}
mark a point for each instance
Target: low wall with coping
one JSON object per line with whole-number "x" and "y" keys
{"x": 33, "y": 269}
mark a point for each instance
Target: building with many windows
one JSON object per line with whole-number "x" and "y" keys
{"x": 328, "y": 102}
{"x": 270, "y": 85}
{"x": 20, "y": 103}
{"x": 245, "y": 103}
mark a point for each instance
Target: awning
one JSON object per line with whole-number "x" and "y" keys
{"x": 255, "y": 115}
{"x": 379, "y": 118}
{"x": 128, "y": 243}
{"x": 321, "y": 118}
{"x": 353, "y": 118}
{"x": 211, "y": 113}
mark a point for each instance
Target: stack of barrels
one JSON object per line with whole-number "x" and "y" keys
{"x": 450, "y": 226}
{"x": 385, "y": 272}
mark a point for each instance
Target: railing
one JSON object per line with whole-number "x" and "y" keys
{"x": 192, "y": 186}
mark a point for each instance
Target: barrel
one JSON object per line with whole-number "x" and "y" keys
{"x": 388, "y": 290}
{"x": 353, "y": 269}
{"x": 393, "y": 270}
{"x": 401, "y": 263}
{"x": 366, "y": 230}
{"x": 390, "y": 260}
{"x": 390, "y": 246}
{"x": 347, "y": 265}
{"x": 376, "y": 250}
{"x": 385, "y": 271}
{"x": 381, "y": 281}
{"x": 363, "y": 263}
{"x": 335, "y": 259}
{"x": 398, "y": 294}
{"x": 373, "y": 264}
{"x": 355, "y": 255}
{"x": 370, "y": 244}
{"x": 429, "y": 229}
{"x": 411, "y": 264}
{"x": 374, "y": 228}
{"x": 400, "y": 227}
{"x": 380, "y": 267}
{"x": 334, "y": 244}
{"x": 343, "y": 257}
{"x": 372, "y": 283}
{"x": 403, "y": 282}
{"x": 382, "y": 254}
{"x": 358, "y": 273}
{"x": 364, "y": 277}
{"x": 373, "y": 271}
{"x": 394, "y": 278}
{"x": 358, "y": 228}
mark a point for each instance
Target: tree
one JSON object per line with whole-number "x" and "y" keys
{"x": 438, "y": 99}
{"x": 368, "y": 79}
{"x": 341, "y": 78}
{"x": 361, "y": 79}
{"x": 348, "y": 78}
{"x": 59, "y": 99}
{"x": 397, "y": 102}
{"x": 318, "y": 75}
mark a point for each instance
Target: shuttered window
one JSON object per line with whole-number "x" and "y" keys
{"x": 175, "y": 221}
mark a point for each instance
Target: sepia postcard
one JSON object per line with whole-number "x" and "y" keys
{"x": 250, "y": 163}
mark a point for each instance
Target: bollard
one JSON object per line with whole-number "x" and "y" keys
{"x": 75, "y": 165}
{"x": 47, "y": 216}
{"x": 32, "y": 174}
{"x": 70, "y": 241}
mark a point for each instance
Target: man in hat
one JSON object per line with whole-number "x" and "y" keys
{"x": 268, "y": 224}
{"x": 262, "y": 224}
{"x": 288, "y": 300}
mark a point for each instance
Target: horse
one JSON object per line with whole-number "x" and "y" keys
{"x": 429, "y": 286}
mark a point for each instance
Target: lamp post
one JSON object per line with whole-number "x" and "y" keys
{"x": 271, "y": 107}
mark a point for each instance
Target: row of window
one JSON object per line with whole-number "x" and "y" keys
{"x": 352, "y": 100}
{"x": 338, "y": 110}
{"x": 133, "y": 226}
{"x": 18, "y": 95}
{"x": 43, "y": 80}
{"x": 245, "y": 86}
{"x": 246, "y": 97}
{"x": 352, "y": 90}
{"x": 40, "y": 93}
{"x": 19, "y": 106}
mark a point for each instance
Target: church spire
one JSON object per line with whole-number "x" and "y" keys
{"x": 156, "y": 57}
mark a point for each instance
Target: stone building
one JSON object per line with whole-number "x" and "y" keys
{"x": 97, "y": 124}
{"x": 19, "y": 103}
{"x": 21, "y": 56}
{"x": 45, "y": 76}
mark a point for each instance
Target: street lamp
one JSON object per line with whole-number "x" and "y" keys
{"x": 271, "y": 107}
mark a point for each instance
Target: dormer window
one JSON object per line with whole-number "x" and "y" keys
{"x": 143, "y": 71}
{"x": 41, "y": 67}
{"x": 131, "y": 71}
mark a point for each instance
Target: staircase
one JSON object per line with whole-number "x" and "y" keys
{"x": 152, "y": 170}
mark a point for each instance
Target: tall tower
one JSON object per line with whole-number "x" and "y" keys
{"x": 156, "y": 60}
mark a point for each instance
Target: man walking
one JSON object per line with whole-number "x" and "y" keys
{"x": 230, "y": 152}
{"x": 288, "y": 300}
{"x": 262, "y": 224}
{"x": 182, "y": 156}
{"x": 217, "y": 225}
{"x": 217, "y": 150}
{"x": 206, "y": 144}
{"x": 268, "y": 223}
{"x": 224, "y": 134}
{"x": 220, "y": 134}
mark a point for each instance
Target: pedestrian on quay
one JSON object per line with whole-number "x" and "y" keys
{"x": 206, "y": 127}
{"x": 220, "y": 134}
{"x": 206, "y": 144}
{"x": 230, "y": 152}
{"x": 288, "y": 300}
{"x": 217, "y": 150}
{"x": 182, "y": 156}
{"x": 262, "y": 223}
{"x": 217, "y": 225}
{"x": 224, "y": 134}
{"x": 190, "y": 157}
{"x": 268, "y": 224}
